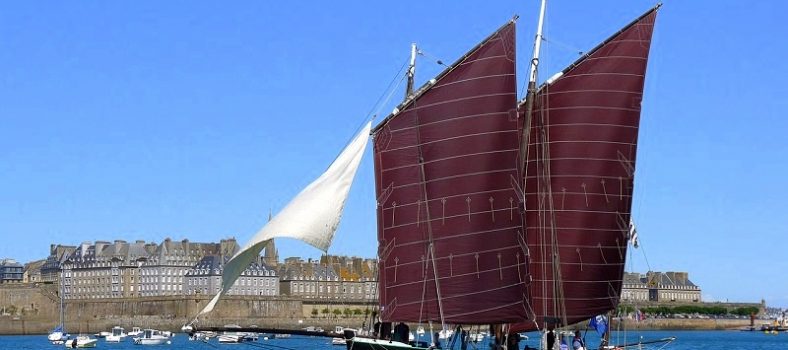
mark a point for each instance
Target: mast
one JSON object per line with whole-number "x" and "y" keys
{"x": 62, "y": 326}
{"x": 411, "y": 70}
{"x": 531, "y": 94}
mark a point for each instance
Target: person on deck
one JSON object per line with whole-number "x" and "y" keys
{"x": 550, "y": 339}
{"x": 401, "y": 333}
{"x": 577, "y": 342}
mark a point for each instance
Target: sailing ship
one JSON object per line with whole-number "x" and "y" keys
{"x": 59, "y": 335}
{"x": 493, "y": 210}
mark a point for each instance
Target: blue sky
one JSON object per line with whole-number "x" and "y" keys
{"x": 146, "y": 120}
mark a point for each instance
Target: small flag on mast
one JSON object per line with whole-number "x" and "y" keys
{"x": 633, "y": 234}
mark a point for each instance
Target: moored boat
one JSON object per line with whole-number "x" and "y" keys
{"x": 81, "y": 341}
{"x": 117, "y": 334}
{"x": 152, "y": 337}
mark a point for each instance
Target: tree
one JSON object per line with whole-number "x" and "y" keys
{"x": 336, "y": 312}
{"x": 314, "y": 312}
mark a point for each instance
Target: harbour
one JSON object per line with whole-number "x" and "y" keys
{"x": 686, "y": 340}
{"x": 498, "y": 196}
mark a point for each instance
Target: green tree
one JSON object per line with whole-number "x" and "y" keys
{"x": 314, "y": 313}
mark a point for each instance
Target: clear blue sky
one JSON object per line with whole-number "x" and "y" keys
{"x": 148, "y": 119}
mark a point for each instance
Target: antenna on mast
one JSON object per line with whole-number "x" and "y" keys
{"x": 411, "y": 70}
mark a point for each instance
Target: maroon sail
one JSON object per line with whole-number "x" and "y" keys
{"x": 579, "y": 178}
{"x": 451, "y": 245}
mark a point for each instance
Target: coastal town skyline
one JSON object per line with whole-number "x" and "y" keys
{"x": 145, "y": 121}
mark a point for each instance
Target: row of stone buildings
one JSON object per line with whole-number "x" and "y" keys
{"x": 659, "y": 287}
{"x": 138, "y": 269}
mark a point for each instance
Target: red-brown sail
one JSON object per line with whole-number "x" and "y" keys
{"x": 579, "y": 178}
{"x": 451, "y": 245}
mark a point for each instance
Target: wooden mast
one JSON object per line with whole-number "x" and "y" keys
{"x": 411, "y": 70}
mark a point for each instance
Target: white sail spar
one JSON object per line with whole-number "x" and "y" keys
{"x": 312, "y": 216}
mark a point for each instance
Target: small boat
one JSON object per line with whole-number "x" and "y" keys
{"x": 81, "y": 341}
{"x": 234, "y": 337}
{"x": 58, "y": 336}
{"x": 135, "y": 331}
{"x": 117, "y": 335}
{"x": 203, "y": 336}
{"x": 152, "y": 337}
{"x": 102, "y": 334}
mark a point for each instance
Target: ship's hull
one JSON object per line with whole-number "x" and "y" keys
{"x": 358, "y": 343}
{"x": 151, "y": 341}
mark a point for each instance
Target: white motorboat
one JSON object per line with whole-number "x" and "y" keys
{"x": 117, "y": 335}
{"x": 102, "y": 334}
{"x": 135, "y": 331}
{"x": 81, "y": 341}
{"x": 58, "y": 336}
{"x": 152, "y": 337}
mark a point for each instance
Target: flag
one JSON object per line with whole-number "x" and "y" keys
{"x": 633, "y": 234}
{"x": 599, "y": 323}
{"x": 639, "y": 316}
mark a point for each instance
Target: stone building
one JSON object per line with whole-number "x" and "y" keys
{"x": 359, "y": 275}
{"x": 660, "y": 287}
{"x": 333, "y": 277}
{"x": 121, "y": 269}
{"x": 308, "y": 279}
{"x": 10, "y": 271}
{"x": 32, "y": 271}
{"x": 206, "y": 278}
{"x": 163, "y": 272}
{"x": 50, "y": 271}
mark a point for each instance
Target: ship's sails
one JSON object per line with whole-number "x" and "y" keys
{"x": 580, "y": 176}
{"x": 312, "y": 216}
{"x": 450, "y": 235}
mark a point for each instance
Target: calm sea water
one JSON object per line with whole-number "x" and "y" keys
{"x": 686, "y": 340}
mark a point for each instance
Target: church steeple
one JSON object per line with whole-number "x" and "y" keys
{"x": 270, "y": 255}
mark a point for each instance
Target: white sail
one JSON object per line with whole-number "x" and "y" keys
{"x": 312, "y": 216}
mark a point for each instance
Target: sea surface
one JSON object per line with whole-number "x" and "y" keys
{"x": 685, "y": 340}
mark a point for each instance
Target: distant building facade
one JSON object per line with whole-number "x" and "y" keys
{"x": 206, "y": 278}
{"x": 660, "y": 287}
{"x": 32, "y": 271}
{"x": 121, "y": 269}
{"x": 10, "y": 271}
{"x": 52, "y": 267}
{"x": 332, "y": 277}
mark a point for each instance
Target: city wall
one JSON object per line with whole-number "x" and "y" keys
{"x": 26, "y": 309}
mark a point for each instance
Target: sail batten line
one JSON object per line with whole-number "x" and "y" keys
{"x": 450, "y": 84}
{"x": 437, "y": 160}
{"x": 460, "y": 295}
{"x": 460, "y": 99}
{"x": 604, "y": 108}
{"x": 591, "y": 141}
{"x": 400, "y": 264}
{"x": 483, "y": 59}
{"x": 451, "y": 119}
{"x": 492, "y": 231}
{"x": 455, "y": 138}
{"x": 456, "y": 177}
{"x": 589, "y": 91}
{"x": 492, "y": 191}
{"x": 594, "y": 124}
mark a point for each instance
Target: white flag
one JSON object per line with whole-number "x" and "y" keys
{"x": 633, "y": 234}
